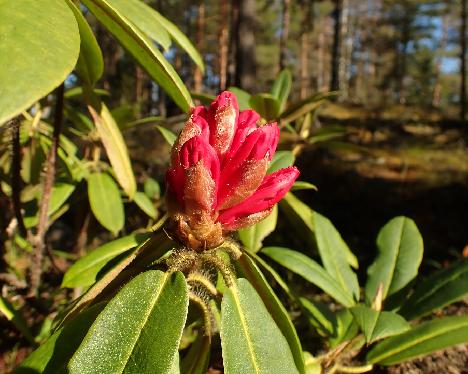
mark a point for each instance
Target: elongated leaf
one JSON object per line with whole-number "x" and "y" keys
{"x": 40, "y": 43}
{"x": 116, "y": 149}
{"x": 438, "y": 290}
{"x": 319, "y": 315}
{"x": 145, "y": 204}
{"x": 310, "y": 271}
{"x": 346, "y": 328}
{"x": 16, "y": 318}
{"x": 303, "y": 222}
{"x": 400, "y": 251}
{"x": 85, "y": 271}
{"x": 90, "y": 65}
{"x": 139, "y": 330}
{"x": 181, "y": 39}
{"x": 197, "y": 359}
{"x": 250, "y": 339}
{"x": 243, "y": 97}
{"x": 421, "y": 340}
{"x": 145, "y": 18}
{"x": 281, "y": 159}
{"x": 280, "y": 315}
{"x": 253, "y": 236}
{"x": 142, "y": 49}
{"x": 333, "y": 252}
{"x": 168, "y": 135}
{"x": 266, "y": 105}
{"x": 300, "y": 108}
{"x": 106, "y": 202}
{"x": 301, "y": 185}
{"x": 152, "y": 189}
{"x": 282, "y": 87}
{"x": 53, "y": 356}
{"x": 378, "y": 325}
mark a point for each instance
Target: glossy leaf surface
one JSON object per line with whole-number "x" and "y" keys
{"x": 139, "y": 330}
{"x": 310, "y": 271}
{"x": 250, "y": 339}
{"x": 34, "y": 57}
{"x": 400, "y": 251}
{"x": 423, "y": 339}
{"x": 106, "y": 202}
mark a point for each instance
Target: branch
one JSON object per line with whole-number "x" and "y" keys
{"x": 49, "y": 179}
{"x": 16, "y": 175}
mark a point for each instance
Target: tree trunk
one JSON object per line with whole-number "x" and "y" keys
{"x": 200, "y": 41}
{"x": 245, "y": 73}
{"x": 233, "y": 38}
{"x": 284, "y": 34}
{"x": 335, "y": 61}
{"x": 307, "y": 22}
{"x": 223, "y": 44}
{"x": 438, "y": 63}
{"x": 463, "y": 61}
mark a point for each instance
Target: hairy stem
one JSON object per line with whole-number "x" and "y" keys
{"x": 49, "y": 179}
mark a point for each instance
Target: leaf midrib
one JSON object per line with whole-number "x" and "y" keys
{"x": 234, "y": 292}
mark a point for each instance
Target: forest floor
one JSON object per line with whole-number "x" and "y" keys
{"x": 384, "y": 167}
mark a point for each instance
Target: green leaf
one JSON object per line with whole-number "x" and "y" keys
{"x": 116, "y": 149}
{"x": 266, "y": 105}
{"x": 319, "y": 315}
{"x": 333, "y": 252}
{"x": 86, "y": 270}
{"x": 145, "y": 204}
{"x": 438, "y": 290}
{"x": 421, "y": 340}
{"x": 16, "y": 318}
{"x": 243, "y": 97}
{"x": 59, "y": 195}
{"x": 145, "y": 18}
{"x": 253, "y": 236}
{"x": 250, "y": 339}
{"x": 303, "y": 222}
{"x": 280, "y": 315}
{"x": 301, "y": 108}
{"x": 346, "y": 328}
{"x": 197, "y": 359}
{"x": 168, "y": 135}
{"x": 106, "y": 202}
{"x": 142, "y": 49}
{"x": 139, "y": 330}
{"x": 152, "y": 188}
{"x": 301, "y": 185}
{"x": 90, "y": 64}
{"x": 282, "y": 87}
{"x": 205, "y": 99}
{"x": 181, "y": 39}
{"x": 378, "y": 325}
{"x": 310, "y": 271}
{"x": 53, "y": 356}
{"x": 281, "y": 159}
{"x": 400, "y": 251}
{"x": 34, "y": 57}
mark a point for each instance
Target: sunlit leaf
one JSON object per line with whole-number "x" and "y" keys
{"x": 116, "y": 149}
{"x": 106, "y": 202}
{"x": 250, "y": 339}
{"x": 145, "y": 204}
{"x": 421, "y": 340}
{"x": 253, "y": 236}
{"x": 400, "y": 251}
{"x": 168, "y": 135}
{"x": 281, "y": 159}
{"x": 243, "y": 97}
{"x": 34, "y": 57}
{"x": 282, "y": 86}
{"x": 142, "y": 49}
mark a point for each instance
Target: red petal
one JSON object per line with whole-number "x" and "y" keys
{"x": 196, "y": 149}
{"x": 247, "y": 124}
{"x": 222, "y": 119}
{"x": 272, "y": 190}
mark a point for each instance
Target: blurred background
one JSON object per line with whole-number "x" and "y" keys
{"x": 398, "y": 67}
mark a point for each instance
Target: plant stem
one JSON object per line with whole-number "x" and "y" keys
{"x": 16, "y": 176}
{"x": 49, "y": 179}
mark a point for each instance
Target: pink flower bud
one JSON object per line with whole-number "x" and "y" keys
{"x": 217, "y": 181}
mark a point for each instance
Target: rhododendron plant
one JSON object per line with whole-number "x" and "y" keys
{"x": 218, "y": 179}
